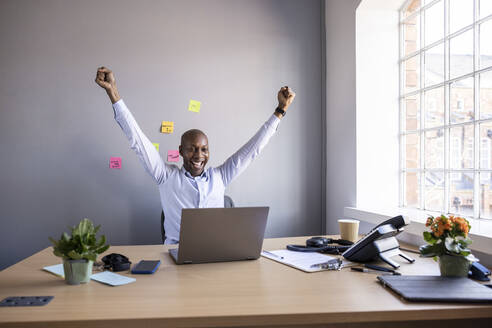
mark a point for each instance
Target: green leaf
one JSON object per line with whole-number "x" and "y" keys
{"x": 429, "y": 237}
{"x": 452, "y": 246}
{"x": 92, "y": 257}
{"x": 82, "y": 244}
{"x": 74, "y": 255}
{"x": 102, "y": 249}
{"x": 427, "y": 250}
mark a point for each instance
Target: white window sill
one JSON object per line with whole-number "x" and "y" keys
{"x": 480, "y": 234}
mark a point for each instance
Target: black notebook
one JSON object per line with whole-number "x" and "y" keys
{"x": 437, "y": 289}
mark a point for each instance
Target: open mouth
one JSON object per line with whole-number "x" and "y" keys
{"x": 197, "y": 164}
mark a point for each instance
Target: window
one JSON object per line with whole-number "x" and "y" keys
{"x": 446, "y": 106}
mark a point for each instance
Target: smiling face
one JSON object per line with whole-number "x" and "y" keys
{"x": 194, "y": 150}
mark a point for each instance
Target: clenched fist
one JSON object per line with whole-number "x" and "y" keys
{"x": 285, "y": 97}
{"x": 105, "y": 79}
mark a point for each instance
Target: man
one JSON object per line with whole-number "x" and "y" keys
{"x": 191, "y": 186}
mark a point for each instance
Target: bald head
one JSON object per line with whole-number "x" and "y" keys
{"x": 192, "y": 134}
{"x": 194, "y": 150}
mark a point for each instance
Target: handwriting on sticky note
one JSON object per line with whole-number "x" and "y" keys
{"x": 167, "y": 127}
{"x": 115, "y": 163}
{"x": 156, "y": 145}
{"x": 172, "y": 155}
{"x": 194, "y": 106}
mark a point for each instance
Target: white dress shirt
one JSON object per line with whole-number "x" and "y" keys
{"x": 177, "y": 188}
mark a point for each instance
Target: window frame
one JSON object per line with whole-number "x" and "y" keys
{"x": 421, "y": 90}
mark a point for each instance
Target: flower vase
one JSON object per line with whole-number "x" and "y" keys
{"x": 454, "y": 266}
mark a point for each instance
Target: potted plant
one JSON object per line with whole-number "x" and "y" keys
{"x": 448, "y": 242}
{"x": 79, "y": 251}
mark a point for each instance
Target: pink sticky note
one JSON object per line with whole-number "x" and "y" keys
{"x": 115, "y": 163}
{"x": 172, "y": 155}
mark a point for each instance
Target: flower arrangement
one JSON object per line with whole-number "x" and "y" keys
{"x": 448, "y": 236}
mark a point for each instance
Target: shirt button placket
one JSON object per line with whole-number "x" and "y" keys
{"x": 200, "y": 192}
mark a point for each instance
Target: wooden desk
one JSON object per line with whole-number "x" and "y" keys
{"x": 246, "y": 293}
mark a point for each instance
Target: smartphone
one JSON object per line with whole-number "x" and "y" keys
{"x": 146, "y": 267}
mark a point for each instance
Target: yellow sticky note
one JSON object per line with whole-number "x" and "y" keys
{"x": 156, "y": 145}
{"x": 167, "y": 127}
{"x": 194, "y": 106}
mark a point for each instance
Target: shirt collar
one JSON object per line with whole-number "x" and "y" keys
{"x": 203, "y": 176}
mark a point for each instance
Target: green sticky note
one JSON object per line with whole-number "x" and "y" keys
{"x": 194, "y": 106}
{"x": 156, "y": 145}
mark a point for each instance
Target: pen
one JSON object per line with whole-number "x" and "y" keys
{"x": 378, "y": 268}
{"x": 274, "y": 255}
{"x": 375, "y": 271}
{"x": 333, "y": 264}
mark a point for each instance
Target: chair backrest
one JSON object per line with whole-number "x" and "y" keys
{"x": 228, "y": 203}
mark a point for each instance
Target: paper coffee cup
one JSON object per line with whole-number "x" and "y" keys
{"x": 349, "y": 229}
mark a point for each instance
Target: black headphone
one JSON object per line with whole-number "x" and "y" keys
{"x": 322, "y": 245}
{"x": 116, "y": 262}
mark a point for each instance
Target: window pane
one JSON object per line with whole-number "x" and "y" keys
{"x": 485, "y": 44}
{"x": 434, "y": 149}
{"x": 411, "y": 69}
{"x": 434, "y": 23}
{"x": 412, "y": 194}
{"x": 461, "y": 194}
{"x": 485, "y": 149}
{"x": 434, "y": 191}
{"x": 434, "y": 65}
{"x": 412, "y": 150}
{"x": 461, "y": 147}
{"x": 434, "y": 107}
{"x": 411, "y": 30}
{"x": 485, "y": 95}
{"x": 485, "y": 195}
{"x": 412, "y": 113}
{"x": 485, "y": 8}
{"x": 461, "y": 101}
{"x": 460, "y": 14}
{"x": 461, "y": 54}
{"x": 411, "y": 8}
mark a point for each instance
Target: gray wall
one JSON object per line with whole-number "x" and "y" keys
{"x": 57, "y": 129}
{"x": 341, "y": 147}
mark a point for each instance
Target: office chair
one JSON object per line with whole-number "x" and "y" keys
{"x": 228, "y": 203}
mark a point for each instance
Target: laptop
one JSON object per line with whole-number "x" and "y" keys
{"x": 438, "y": 289}
{"x": 220, "y": 234}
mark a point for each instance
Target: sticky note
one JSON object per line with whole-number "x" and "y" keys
{"x": 115, "y": 163}
{"x": 156, "y": 145}
{"x": 172, "y": 155}
{"x": 194, "y": 106}
{"x": 167, "y": 127}
{"x": 111, "y": 278}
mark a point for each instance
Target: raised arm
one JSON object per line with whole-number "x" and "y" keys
{"x": 145, "y": 150}
{"x": 105, "y": 79}
{"x": 238, "y": 162}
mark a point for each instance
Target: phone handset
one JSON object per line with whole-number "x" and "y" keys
{"x": 398, "y": 222}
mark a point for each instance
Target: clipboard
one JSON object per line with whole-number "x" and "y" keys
{"x": 299, "y": 260}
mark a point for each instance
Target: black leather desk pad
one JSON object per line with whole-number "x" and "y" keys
{"x": 437, "y": 289}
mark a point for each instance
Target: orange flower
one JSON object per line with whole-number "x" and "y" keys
{"x": 429, "y": 221}
{"x": 441, "y": 225}
{"x": 462, "y": 224}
